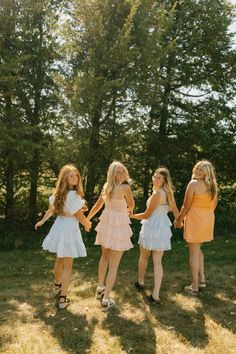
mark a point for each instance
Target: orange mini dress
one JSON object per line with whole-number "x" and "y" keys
{"x": 200, "y": 219}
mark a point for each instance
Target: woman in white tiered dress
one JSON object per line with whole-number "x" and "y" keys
{"x": 155, "y": 234}
{"x": 64, "y": 237}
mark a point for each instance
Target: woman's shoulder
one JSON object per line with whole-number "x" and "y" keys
{"x": 155, "y": 195}
{"x": 124, "y": 186}
{"x": 193, "y": 183}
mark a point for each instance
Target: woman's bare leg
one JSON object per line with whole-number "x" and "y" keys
{"x": 194, "y": 257}
{"x": 58, "y": 269}
{"x": 158, "y": 273}
{"x": 66, "y": 274}
{"x": 114, "y": 261}
{"x": 142, "y": 264}
{"x": 103, "y": 265}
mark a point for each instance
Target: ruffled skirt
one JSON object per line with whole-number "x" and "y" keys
{"x": 155, "y": 234}
{"x": 64, "y": 238}
{"x": 114, "y": 231}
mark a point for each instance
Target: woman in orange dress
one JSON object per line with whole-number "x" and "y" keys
{"x": 198, "y": 213}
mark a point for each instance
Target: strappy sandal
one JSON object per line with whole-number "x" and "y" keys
{"x": 202, "y": 285}
{"x": 56, "y": 289}
{"x": 138, "y": 286}
{"x": 153, "y": 301}
{"x": 100, "y": 293}
{"x": 63, "y": 304}
{"x": 107, "y": 304}
{"x": 190, "y": 291}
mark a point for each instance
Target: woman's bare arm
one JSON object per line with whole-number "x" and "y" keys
{"x": 152, "y": 205}
{"x": 190, "y": 190}
{"x": 129, "y": 198}
{"x": 97, "y": 206}
{"x": 46, "y": 216}
{"x": 83, "y": 220}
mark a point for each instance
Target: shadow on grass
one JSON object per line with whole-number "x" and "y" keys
{"x": 134, "y": 337}
{"x": 73, "y": 332}
{"x": 27, "y": 278}
{"x": 28, "y": 298}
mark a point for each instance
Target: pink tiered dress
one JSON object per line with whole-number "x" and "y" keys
{"x": 113, "y": 230}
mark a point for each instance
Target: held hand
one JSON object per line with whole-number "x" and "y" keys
{"x": 88, "y": 226}
{"x": 39, "y": 223}
{"x": 178, "y": 224}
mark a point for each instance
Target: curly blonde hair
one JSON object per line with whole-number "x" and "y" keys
{"x": 62, "y": 188}
{"x": 209, "y": 176}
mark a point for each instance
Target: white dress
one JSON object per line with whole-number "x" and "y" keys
{"x": 64, "y": 237}
{"x": 155, "y": 233}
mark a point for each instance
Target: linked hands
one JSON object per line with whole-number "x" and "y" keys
{"x": 178, "y": 224}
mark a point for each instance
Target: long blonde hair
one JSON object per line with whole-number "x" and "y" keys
{"x": 111, "y": 179}
{"x": 167, "y": 186}
{"x": 62, "y": 188}
{"x": 209, "y": 176}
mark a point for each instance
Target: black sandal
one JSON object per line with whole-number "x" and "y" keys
{"x": 63, "y": 304}
{"x": 153, "y": 301}
{"x": 138, "y": 286}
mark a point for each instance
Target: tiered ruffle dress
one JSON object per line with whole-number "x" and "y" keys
{"x": 200, "y": 219}
{"x": 155, "y": 234}
{"x": 64, "y": 237}
{"x": 113, "y": 230}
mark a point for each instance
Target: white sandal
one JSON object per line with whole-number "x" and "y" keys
{"x": 107, "y": 304}
{"x": 100, "y": 292}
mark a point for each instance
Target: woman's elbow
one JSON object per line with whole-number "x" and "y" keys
{"x": 146, "y": 215}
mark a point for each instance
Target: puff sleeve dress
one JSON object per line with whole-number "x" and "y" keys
{"x": 64, "y": 237}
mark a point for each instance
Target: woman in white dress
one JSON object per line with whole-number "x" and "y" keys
{"x": 155, "y": 233}
{"x": 64, "y": 237}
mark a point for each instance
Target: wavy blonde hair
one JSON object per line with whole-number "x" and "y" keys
{"x": 167, "y": 186}
{"x": 111, "y": 178}
{"x": 62, "y": 188}
{"x": 209, "y": 176}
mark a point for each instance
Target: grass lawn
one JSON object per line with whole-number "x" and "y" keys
{"x": 31, "y": 323}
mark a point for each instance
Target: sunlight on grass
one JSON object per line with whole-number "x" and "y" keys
{"x": 32, "y": 324}
{"x": 188, "y": 303}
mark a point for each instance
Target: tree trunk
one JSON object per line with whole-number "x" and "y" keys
{"x": 93, "y": 157}
{"x": 163, "y": 125}
{"x": 9, "y": 169}
{"x": 34, "y": 173}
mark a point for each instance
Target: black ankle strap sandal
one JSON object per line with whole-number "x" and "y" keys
{"x": 63, "y": 304}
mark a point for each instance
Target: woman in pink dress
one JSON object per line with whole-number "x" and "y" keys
{"x": 113, "y": 229}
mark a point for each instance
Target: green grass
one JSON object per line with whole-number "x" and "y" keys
{"x": 31, "y": 322}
